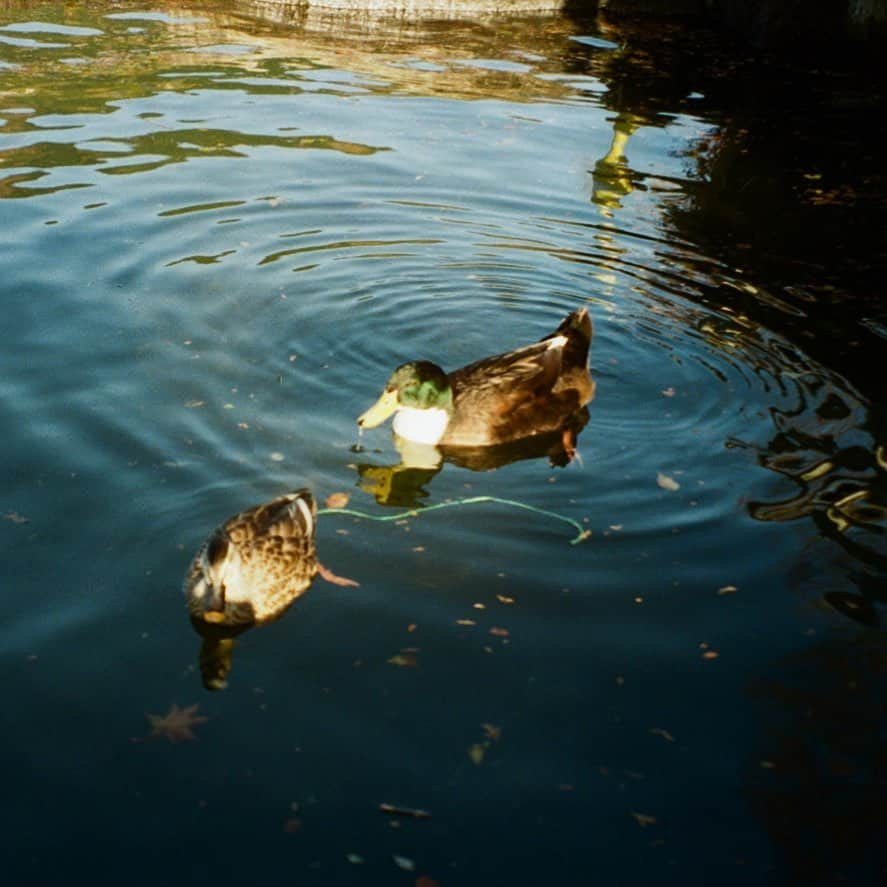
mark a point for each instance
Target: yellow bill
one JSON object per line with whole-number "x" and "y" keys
{"x": 384, "y": 407}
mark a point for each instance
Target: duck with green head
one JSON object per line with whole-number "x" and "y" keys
{"x": 532, "y": 390}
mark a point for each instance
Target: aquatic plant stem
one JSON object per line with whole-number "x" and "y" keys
{"x": 474, "y": 500}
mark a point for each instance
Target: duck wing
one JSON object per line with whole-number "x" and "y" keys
{"x": 523, "y": 392}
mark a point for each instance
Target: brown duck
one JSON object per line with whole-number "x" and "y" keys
{"x": 532, "y": 390}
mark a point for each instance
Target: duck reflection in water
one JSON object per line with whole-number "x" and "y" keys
{"x": 523, "y": 404}
{"x": 248, "y": 572}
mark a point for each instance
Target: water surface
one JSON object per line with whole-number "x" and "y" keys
{"x": 221, "y": 233}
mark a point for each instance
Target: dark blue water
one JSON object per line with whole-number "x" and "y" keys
{"x": 220, "y": 234}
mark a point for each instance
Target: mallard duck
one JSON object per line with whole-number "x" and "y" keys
{"x": 256, "y": 564}
{"x": 500, "y": 399}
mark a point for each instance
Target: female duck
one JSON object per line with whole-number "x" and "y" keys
{"x": 256, "y": 564}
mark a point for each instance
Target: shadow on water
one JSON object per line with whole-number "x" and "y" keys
{"x": 816, "y": 777}
{"x": 788, "y": 187}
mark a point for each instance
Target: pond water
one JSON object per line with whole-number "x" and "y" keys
{"x": 223, "y": 226}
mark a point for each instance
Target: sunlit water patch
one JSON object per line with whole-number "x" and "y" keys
{"x": 216, "y": 264}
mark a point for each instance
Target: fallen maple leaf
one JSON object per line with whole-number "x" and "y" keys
{"x": 336, "y": 500}
{"x": 176, "y": 724}
{"x": 331, "y": 577}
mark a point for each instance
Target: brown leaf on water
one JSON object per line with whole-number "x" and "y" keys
{"x": 331, "y": 577}
{"x": 499, "y": 632}
{"x": 492, "y": 732}
{"x": 643, "y": 820}
{"x": 710, "y": 654}
{"x": 727, "y": 589}
{"x": 504, "y": 599}
{"x": 15, "y": 517}
{"x": 336, "y": 500}
{"x": 666, "y": 482}
{"x": 293, "y": 825}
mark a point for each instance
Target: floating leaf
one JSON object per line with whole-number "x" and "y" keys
{"x": 425, "y": 881}
{"x": 658, "y": 731}
{"x": 354, "y": 858}
{"x": 404, "y": 863}
{"x": 668, "y": 392}
{"x": 293, "y": 825}
{"x": 492, "y": 732}
{"x": 404, "y": 659}
{"x": 727, "y": 589}
{"x": 15, "y": 517}
{"x": 336, "y": 500}
{"x": 499, "y": 632}
{"x": 413, "y": 812}
{"x": 666, "y": 482}
{"x": 331, "y": 577}
{"x": 176, "y": 724}
{"x": 503, "y": 599}
{"x": 476, "y": 753}
{"x": 643, "y": 819}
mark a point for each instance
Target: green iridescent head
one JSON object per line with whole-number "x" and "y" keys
{"x": 419, "y": 385}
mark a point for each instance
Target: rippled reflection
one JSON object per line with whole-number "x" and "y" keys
{"x": 405, "y": 483}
